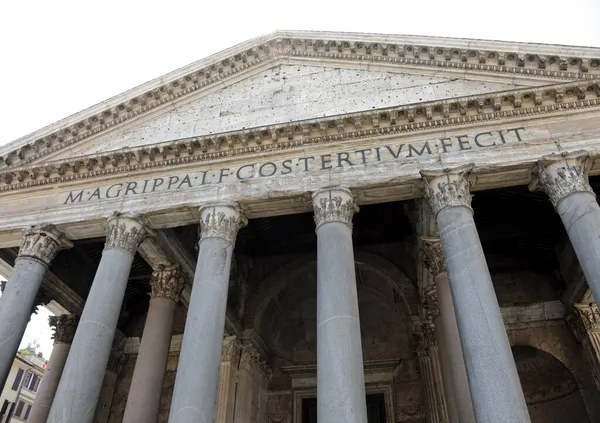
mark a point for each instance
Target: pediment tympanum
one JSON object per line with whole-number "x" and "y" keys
{"x": 283, "y": 94}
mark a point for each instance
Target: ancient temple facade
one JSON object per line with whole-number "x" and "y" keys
{"x": 308, "y": 226}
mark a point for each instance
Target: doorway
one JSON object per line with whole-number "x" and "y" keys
{"x": 375, "y": 409}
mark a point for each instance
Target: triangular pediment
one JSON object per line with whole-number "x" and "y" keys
{"x": 281, "y": 94}
{"x": 296, "y": 76}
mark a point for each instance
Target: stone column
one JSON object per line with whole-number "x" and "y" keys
{"x": 64, "y": 332}
{"x": 115, "y": 364}
{"x": 230, "y": 358}
{"x": 195, "y": 392}
{"x": 79, "y": 388}
{"x": 422, "y": 341}
{"x": 143, "y": 402}
{"x": 252, "y": 381}
{"x": 493, "y": 379}
{"x": 589, "y": 316}
{"x": 340, "y": 376}
{"x": 439, "y": 301}
{"x": 39, "y": 246}
{"x": 565, "y": 179}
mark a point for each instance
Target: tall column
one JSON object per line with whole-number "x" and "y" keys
{"x": 195, "y": 392}
{"x": 439, "y": 300}
{"x": 79, "y": 388}
{"x": 143, "y": 402}
{"x": 115, "y": 363}
{"x": 422, "y": 341}
{"x": 493, "y": 379}
{"x": 340, "y": 376}
{"x": 39, "y": 246}
{"x": 230, "y": 358}
{"x": 64, "y": 332}
{"x": 565, "y": 179}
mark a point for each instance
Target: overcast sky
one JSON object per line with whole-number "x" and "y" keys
{"x": 59, "y": 57}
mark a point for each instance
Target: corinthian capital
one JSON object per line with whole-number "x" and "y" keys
{"x": 231, "y": 349}
{"x": 561, "y": 175}
{"x": 221, "y": 220}
{"x": 590, "y": 316}
{"x": 125, "y": 231}
{"x": 447, "y": 188}
{"x": 433, "y": 256}
{"x": 334, "y": 204}
{"x": 43, "y": 242}
{"x": 167, "y": 282}
{"x": 64, "y": 328}
{"x": 249, "y": 358}
{"x": 430, "y": 301}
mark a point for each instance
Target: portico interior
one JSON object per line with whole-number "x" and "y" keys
{"x": 272, "y": 297}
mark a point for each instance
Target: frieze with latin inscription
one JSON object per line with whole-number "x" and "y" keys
{"x": 299, "y": 165}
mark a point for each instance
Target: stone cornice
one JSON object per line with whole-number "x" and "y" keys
{"x": 552, "y": 62}
{"x": 538, "y": 101}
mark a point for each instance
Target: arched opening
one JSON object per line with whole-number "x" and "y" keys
{"x": 550, "y": 389}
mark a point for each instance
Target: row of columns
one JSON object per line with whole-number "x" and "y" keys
{"x": 491, "y": 376}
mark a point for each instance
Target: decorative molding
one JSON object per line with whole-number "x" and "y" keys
{"x": 369, "y": 366}
{"x": 272, "y": 138}
{"x": 64, "y": 327}
{"x": 328, "y": 47}
{"x": 43, "y": 242}
{"x": 167, "y": 282}
{"x": 447, "y": 188}
{"x": 334, "y": 204}
{"x": 433, "y": 255}
{"x": 560, "y": 175}
{"x": 231, "y": 349}
{"x": 221, "y": 220}
{"x": 590, "y": 316}
{"x": 125, "y": 231}
{"x": 410, "y": 413}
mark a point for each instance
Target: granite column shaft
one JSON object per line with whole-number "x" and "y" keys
{"x": 81, "y": 382}
{"x": 565, "y": 179}
{"x": 493, "y": 379}
{"x": 439, "y": 299}
{"x": 196, "y": 384}
{"x": 340, "y": 375}
{"x": 143, "y": 401}
{"x": 63, "y": 336}
{"x": 40, "y": 244}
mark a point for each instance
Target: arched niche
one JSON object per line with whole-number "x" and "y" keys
{"x": 283, "y": 309}
{"x": 550, "y": 390}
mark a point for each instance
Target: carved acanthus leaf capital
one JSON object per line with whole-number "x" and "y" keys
{"x": 231, "y": 349}
{"x": 424, "y": 340}
{"x": 431, "y": 301}
{"x": 590, "y": 316}
{"x": 266, "y": 373}
{"x": 447, "y": 188}
{"x": 167, "y": 282}
{"x": 221, "y": 220}
{"x": 560, "y": 175}
{"x": 334, "y": 204}
{"x": 433, "y": 255}
{"x": 64, "y": 328}
{"x": 43, "y": 242}
{"x": 125, "y": 231}
{"x": 249, "y": 358}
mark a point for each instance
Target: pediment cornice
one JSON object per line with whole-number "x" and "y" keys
{"x": 515, "y": 59}
{"x": 506, "y": 105}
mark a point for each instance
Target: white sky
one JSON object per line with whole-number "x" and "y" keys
{"x": 59, "y": 57}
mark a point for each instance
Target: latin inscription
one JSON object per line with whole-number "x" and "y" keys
{"x": 299, "y": 165}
